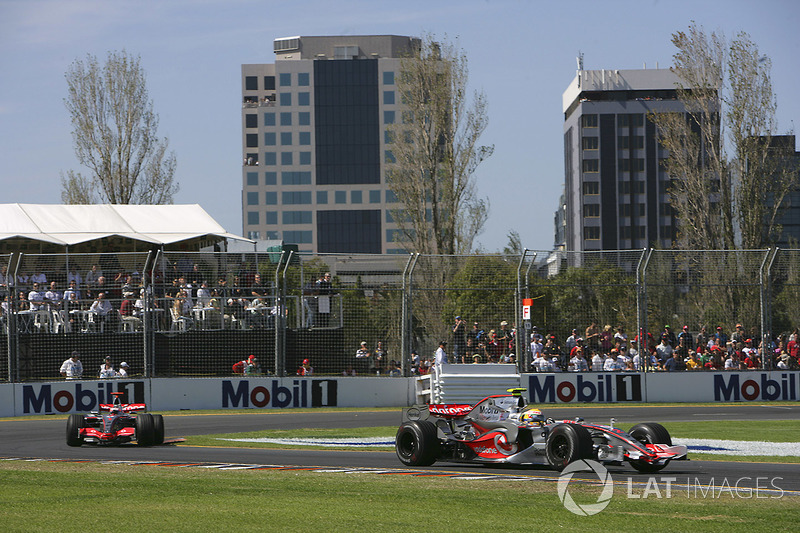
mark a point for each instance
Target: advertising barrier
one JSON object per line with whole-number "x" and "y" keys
{"x": 165, "y": 394}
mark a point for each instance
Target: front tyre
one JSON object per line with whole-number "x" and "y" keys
{"x": 417, "y": 443}
{"x": 567, "y": 443}
{"x": 74, "y": 424}
{"x": 649, "y": 433}
{"x": 145, "y": 432}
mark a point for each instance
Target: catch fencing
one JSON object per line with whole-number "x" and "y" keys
{"x": 196, "y": 314}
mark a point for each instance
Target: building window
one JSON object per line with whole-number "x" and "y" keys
{"x": 388, "y": 97}
{"x": 591, "y": 165}
{"x": 388, "y": 157}
{"x": 269, "y": 83}
{"x": 388, "y": 137}
{"x": 286, "y": 158}
{"x": 591, "y": 187}
{"x": 270, "y": 158}
{"x": 296, "y": 197}
{"x": 286, "y": 79}
{"x": 271, "y": 198}
{"x": 305, "y": 158}
{"x": 295, "y": 178}
{"x": 297, "y": 237}
{"x": 374, "y": 197}
{"x": 591, "y": 143}
{"x": 391, "y": 197}
{"x": 304, "y": 98}
{"x": 624, "y": 142}
{"x": 252, "y": 178}
{"x": 254, "y": 235}
{"x": 271, "y": 218}
{"x": 388, "y": 117}
{"x": 285, "y": 99}
{"x": 251, "y": 120}
{"x": 297, "y": 217}
{"x": 304, "y": 138}
{"x": 251, "y": 139}
{"x": 286, "y": 119}
{"x": 269, "y": 119}
{"x": 252, "y": 218}
{"x": 322, "y": 197}
{"x": 270, "y": 178}
{"x": 340, "y": 197}
{"x": 591, "y": 233}
{"x": 388, "y": 78}
{"x": 589, "y": 121}
{"x": 356, "y": 197}
{"x": 286, "y": 138}
{"x": 252, "y": 198}
{"x": 302, "y": 79}
{"x": 345, "y": 52}
{"x": 304, "y": 118}
{"x": 272, "y": 235}
{"x": 269, "y": 138}
{"x": 251, "y": 83}
{"x": 591, "y": 210}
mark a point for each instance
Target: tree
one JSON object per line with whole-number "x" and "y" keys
{"x": 435, "y": 152}
{"x": 730, "y": 109}
{"x": 115, "y": 135}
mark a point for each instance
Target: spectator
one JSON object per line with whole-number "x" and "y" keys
{"x": 720, "y": 337}
{"x": 306, "y": 369}
{"x": 504, "y": 339}
{"x": 441, "y": 354}
{"x": 675, "y": 364}
{"x": 684, "y": 334}
{"x": 349, "y": 372}
{"x": 103, "y": 310}
{"x": 592, "y": 336}
{"x": 53, "y": 297}
{"x": 670, "y": 336}
{"x": 738, "y": 334}
{"x": 72, "y": 289}
{"x": 693, "y": 363}
{"x": 123, "y": 370}
{"x": 363, "y": 358}
{"x": 702, "y": 338}
{"x": 542, "y": 364}
{"x": 536, "y": 335}
{"x": 611, "y": 364}
{"x": 578, "y": 363}
{"x": 537, "y": 348}
{"x": 414, "y": 362}
{"x": 459, "y": 340}
{"x": 476, "y": 359}
{"x": 252, "y": 368}
{"x": 36, "y": 299}
{"x": 598, "y": 361}
{"x": 664, "y": 350}
{"x": 324, "y": 289}
{"x": 240, "y": 366}
{"x": 620, "y": 337}
{"x": 473, "y": 338}
{"x": 606, "y": 338}
{"x": 571, "y": 341}
{"x": 107, "y": 369}
{"x": 72, "y": 367}
{"x": 381, "y": 358}
{"x": 395, "y": 370}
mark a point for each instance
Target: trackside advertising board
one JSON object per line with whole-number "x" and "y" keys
{"x": 167, "y": 394}
{"x": 589, "y": 387}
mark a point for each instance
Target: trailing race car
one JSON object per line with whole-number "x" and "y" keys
{"x": 116, "y": 423}
{"x": 502, "y": 429}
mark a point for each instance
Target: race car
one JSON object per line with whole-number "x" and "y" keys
{"x": 116, "y": 423}
{"x": 503, "y": 429}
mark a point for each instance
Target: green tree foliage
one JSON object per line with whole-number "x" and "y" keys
{"x": 115, "y": 135}
{"x": 436, "y": 152}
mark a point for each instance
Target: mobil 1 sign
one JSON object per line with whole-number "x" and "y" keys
{"x": 584, "y": 387}
{"x": 278, "y": 393}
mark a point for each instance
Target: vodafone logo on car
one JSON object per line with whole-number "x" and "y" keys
{"x": 451, "y": 410}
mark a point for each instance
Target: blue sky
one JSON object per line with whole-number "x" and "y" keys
{"x": 521, "y": 54}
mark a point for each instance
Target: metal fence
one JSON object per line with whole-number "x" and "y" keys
{"x": 199, "y": 313}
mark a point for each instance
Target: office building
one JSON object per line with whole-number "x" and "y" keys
{"x": 615, "y": 188}
{"x": 314, "y": 143}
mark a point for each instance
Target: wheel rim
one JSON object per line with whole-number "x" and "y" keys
{"x": 560, "y": 448}
{"x": 406, "y": 444}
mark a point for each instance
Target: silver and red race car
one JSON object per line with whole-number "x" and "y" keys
{"x": 503, "y": 429}
{"x": 116, "y": 423}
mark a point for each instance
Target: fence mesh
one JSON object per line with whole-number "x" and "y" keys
{"x": 204, "y": 313}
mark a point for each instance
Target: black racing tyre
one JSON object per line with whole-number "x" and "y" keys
{"x": 417, "y": 443}
{"x": 74, "y": 424}
{"x": 567, "y": 443}
{"x": 158, "y": 429}
{"x": 145, "y": 432}
{"x": 651, "y": 433}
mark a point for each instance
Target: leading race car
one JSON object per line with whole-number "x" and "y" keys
{"x": 116, "y": 423}
{"x": 503, "y": 429}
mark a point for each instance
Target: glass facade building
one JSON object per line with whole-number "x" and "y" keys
{"x": 314, "y": 143}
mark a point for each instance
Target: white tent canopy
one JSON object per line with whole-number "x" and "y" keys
{"x": 73, "y": 224}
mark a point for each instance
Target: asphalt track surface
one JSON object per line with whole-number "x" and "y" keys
{"x": 45, "y": 439}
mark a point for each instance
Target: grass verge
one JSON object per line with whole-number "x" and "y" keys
{"x": 67, "y": 497}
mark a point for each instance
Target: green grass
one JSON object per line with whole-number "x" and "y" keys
{"x": 67, "y": 497}
{"x": 760, "y": 430}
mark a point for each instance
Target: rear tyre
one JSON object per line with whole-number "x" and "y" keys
{"x": 649, "y": 433}
{"x": 417, "y": 443}
{"x": 74, "y": 424}
{"x": 567, "y": 443}
{"x": 158, "y": 430}
{"x": 145, "y": 432}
